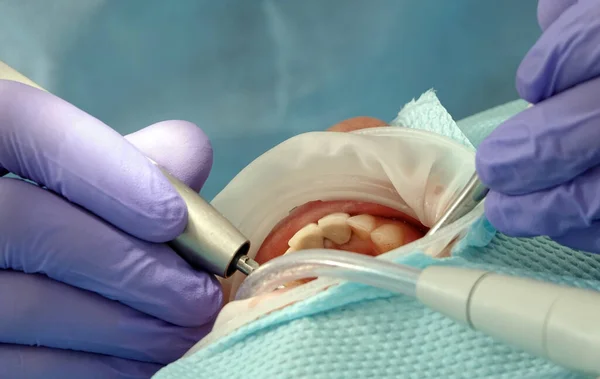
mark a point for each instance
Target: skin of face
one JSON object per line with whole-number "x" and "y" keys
{"x": 357, "y": 123}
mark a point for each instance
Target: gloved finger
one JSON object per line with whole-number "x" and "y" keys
{"x": 552, "y": 212}
{"x": 545, "y": 145}
{"x": 28, "y": 362}
{"x": 567, "y": 54}
{"x": 52, "y": 236}
{"x": 51, "y": 142}
{"x": 48, "y": 313}
{"x": 180, "y": 147}
{"x": 586, "y": 239}
{"x": 549, "y": 10}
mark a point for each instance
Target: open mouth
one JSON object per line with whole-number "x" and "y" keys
{"x": 357, "y": 226}
{"x": 360, "y": 227}
{"x": 339, "y": 219}
{"x": 348, "y": 222}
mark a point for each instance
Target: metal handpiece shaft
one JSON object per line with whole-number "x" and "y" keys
{"x": 471, "y": 195}
{"x": 210, "y": 242}
{"x": 246, "y": 265}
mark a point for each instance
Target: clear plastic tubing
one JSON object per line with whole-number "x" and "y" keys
{"x": 334, "y": 264}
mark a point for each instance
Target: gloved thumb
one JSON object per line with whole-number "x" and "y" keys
{"x": 550, "y": 10}
{"x": 180, "y": 147}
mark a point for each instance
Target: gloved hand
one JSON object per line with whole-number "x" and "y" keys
{"x": 89, "y": 290}
{"x": 543, "y": 165}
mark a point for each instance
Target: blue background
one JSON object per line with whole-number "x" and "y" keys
{"x": 251, "y": 73}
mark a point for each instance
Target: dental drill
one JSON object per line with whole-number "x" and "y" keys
{"x": 209, "y": 242}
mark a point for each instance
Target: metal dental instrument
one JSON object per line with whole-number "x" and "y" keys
{"x": 470, "y": 196}
{"x": 209, "y": 242}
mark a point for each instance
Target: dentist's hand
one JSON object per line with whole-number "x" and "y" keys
{"x": 87, "y": 287}
{"x": 543, "y": 165}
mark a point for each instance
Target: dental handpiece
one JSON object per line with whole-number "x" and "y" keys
{"x": 209, "y": 242}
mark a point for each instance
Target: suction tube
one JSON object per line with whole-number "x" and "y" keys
{"x": 551, "y": 321}
{"x": 333, "y": 264}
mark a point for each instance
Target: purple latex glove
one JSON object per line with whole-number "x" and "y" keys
{"x": 87, "y": 283}
{"x": 543, "y": 165}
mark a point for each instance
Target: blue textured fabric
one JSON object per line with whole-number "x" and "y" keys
{"x": 354, "y": 331}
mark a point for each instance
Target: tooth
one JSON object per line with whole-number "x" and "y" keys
{"x": 328, "y": 244}
{"x": 387, "y": 237}
{"x": 362, "y": 225}
{"x": 335, "y": 228}
{"x": 290, "y": 250}
{"x": 309, "y": 237}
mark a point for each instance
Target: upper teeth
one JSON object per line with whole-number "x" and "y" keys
{"x": 335, "y": 228}
{"x": 309, "y": 237}
{"x": 387, "y": 237}
{"x": 362, "y": 225}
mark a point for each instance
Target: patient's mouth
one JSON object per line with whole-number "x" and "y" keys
{"x": 356, "y": 226}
